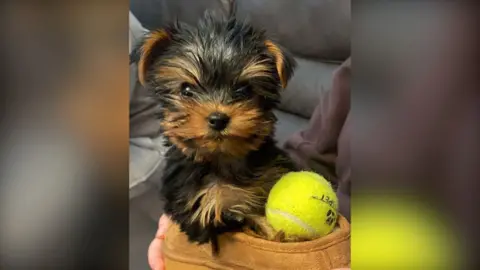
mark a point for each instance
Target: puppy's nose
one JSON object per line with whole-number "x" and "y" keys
{"x": 218, "y": 121}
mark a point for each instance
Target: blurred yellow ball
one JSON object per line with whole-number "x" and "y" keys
{"x": 399, "y": 233}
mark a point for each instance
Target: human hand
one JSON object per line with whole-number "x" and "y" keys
{"x": 155, "y": 255}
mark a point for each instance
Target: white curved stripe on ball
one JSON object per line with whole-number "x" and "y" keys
{"x": 295, "y": 219}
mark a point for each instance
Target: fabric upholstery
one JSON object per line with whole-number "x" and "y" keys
{"x": 287, "y": 125}
{"x": 318, "y": 29}
{"x": 146, "y": 149}
{"x": 323, "y": 26}
{"x": 310, "y": 81}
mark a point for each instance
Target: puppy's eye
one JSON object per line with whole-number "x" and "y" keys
{"x": 186, "y": 90}
{"x": 243, "y": 92}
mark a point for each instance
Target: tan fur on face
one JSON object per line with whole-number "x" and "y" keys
{"x": 236, "y": 140}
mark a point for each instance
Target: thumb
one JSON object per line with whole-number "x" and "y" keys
{"x": 155, "y": 256}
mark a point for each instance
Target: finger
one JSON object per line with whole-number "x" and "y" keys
{"x": 155, "y": 256}
{"x": 163, "y": 224}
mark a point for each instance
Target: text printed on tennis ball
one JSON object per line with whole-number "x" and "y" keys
{"x": 330, "y": 216}
{"x": 325, "y": 199}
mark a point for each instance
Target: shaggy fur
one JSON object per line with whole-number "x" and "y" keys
{"x": 217, "y": 179}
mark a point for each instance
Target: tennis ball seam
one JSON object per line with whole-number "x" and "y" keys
{"x": 300, "y": 222}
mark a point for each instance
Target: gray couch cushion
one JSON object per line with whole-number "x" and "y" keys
{"x": 143, "y": 110}
{"x": 146, "y": 157}
{"x": 287, "y": 125}
{"x": 146, "y": 148}
{"x": 321, "y": 26}
{"x": 311, "y": 28}
{"x": 311, "y": 79}
{"x": 154, "y": 14}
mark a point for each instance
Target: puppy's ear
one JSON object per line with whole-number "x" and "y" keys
{"x": 285, "y": 64}
{"x": 153, "y": 45}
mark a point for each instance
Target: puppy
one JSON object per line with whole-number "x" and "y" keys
{"x": 217, "y": 84}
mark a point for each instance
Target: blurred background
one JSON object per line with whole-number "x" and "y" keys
{"x": 415, "y": 144}
{"x": 64, "y": 135}
{"x": 69, "y": 200}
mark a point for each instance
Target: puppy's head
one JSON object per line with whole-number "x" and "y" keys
{"x": 217, "y": 84}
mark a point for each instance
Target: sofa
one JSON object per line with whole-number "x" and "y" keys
{"x": 315, "y": 32}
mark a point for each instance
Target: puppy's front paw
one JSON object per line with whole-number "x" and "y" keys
{"x": 229, "y": 217}
{"x": 195, "y": 233}
{"x": 264, "y": 229}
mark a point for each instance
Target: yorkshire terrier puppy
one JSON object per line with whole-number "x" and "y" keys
{"x": 217, "y": 84}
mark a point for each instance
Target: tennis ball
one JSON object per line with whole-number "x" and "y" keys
{"x": 303, "y": 205}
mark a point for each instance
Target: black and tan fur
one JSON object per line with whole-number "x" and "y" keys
{"x": 217, "y": 180}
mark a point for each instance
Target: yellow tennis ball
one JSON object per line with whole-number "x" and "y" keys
{"x": 302, "y": 204}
